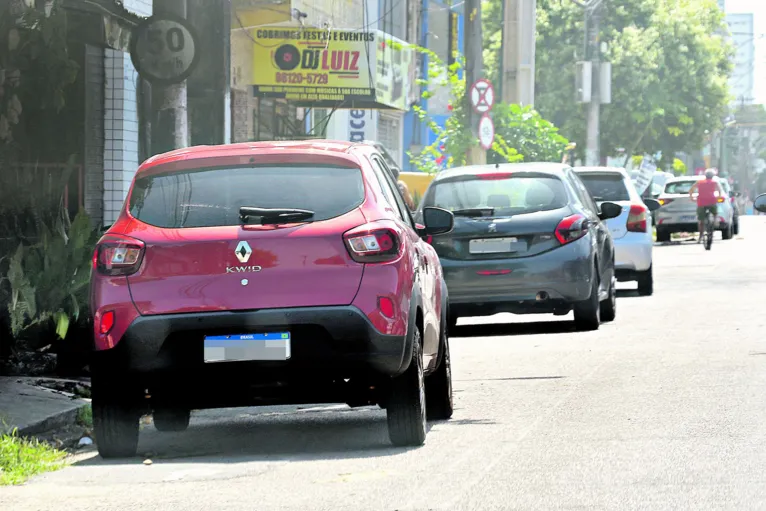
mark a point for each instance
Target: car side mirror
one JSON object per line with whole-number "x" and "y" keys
{"x": 652, "y": 204}
{"x": 437, "y": 221}
{"x": 609, "y": 210}
{"x": 760, "y": 203}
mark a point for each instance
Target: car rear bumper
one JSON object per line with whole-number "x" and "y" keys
{"x": 512, "y": 285}
{"x": 324, "y": 340}
{"x": 633, "y": 252}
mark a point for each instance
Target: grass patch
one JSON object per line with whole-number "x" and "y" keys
{"x": 21, "y": 458}
{"x": 85, "y": 417}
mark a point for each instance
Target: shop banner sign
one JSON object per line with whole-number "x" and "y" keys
{"x": 309, "y": 65}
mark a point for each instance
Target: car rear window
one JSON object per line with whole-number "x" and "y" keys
{"x": 606, "y": 186}
{"x": 679, "y": 187}
{"x": 212, "y": 197}
{"x": 512, "y": 195}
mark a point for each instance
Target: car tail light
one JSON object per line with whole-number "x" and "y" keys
{"x": 637, "y": 218}
{"x": 373, "y": 243}
{"x": 572, "y": 228}
{"x": 118, "y": 255}
{"x": 430, "y": 239}
{"x": 665, "y": 202}
{"x": 721, "y": 200}
{"x": 106, "y": 323}
{"x": 493, "y": 272}
{"x": 492, "y": 176}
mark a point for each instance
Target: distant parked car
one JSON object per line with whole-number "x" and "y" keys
{"x": 733, "y": 196}
{"x": 267, "y": 273}
{"x": 678, "y": 212}
{"x": 528, "y": 238}
{"x": 632, "y": 230}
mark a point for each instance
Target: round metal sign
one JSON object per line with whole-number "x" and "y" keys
{"x": 482, "y": 96}
{"x": 164, "y": 49}
{"x": 486, "y": 132}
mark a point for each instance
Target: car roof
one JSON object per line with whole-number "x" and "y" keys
{"x": 553, "y": 169}
{"x": 337, "y": 150}
{"x": 679, "y": 179}
{"x": 602, "y": 170}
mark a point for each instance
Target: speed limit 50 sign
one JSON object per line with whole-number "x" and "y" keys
{"x": 164, "y": 49}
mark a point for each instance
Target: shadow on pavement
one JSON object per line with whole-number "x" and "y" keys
{"x": 519, "y": 378}
{"x": 503, "y": 329}
{"x": 627, "y": 293}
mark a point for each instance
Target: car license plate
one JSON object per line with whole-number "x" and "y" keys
{"x": 688, "y": 218}
{"x": 495, "y": 245}
{"x": 245, "y": 347}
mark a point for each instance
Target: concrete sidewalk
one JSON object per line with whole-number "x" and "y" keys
{"x": 33, "y": 409}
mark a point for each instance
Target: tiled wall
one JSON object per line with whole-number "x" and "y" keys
{"x": 120, "y": 122}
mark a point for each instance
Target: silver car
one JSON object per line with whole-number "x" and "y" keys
{"x": 678, "y": 212}
{"x": 632, "y": 230}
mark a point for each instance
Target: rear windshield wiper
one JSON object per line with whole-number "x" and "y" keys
{"x": 472, "y": 212}
{"x": 274, "y": 215}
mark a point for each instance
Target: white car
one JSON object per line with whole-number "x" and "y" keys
{"x": 632, "y": 230}
{"x": 678, "y": 212}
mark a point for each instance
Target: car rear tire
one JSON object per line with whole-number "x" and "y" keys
{"x": 406, "y": 406}
{"x": 587, "y": 313}
{"x": 452, "y": 322}
{"x": 115, "y": 421}
{"x": 646, "y": 283}
{"x": 735, "y": 228}
{"x": 439, "y": 387}
{"x": 663, "y": 236}
{"x": 609, "y": 306}
{"x": 171, "y": 419}
{"x": 726, "y": 233}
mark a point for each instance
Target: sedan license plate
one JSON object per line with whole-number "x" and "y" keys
{"x": 495, "y": 245}
{"x": 688, "y": 218}
{"x": 247, "y": 347}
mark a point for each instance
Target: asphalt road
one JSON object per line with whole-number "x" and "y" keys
{"x": 663, "y": 409}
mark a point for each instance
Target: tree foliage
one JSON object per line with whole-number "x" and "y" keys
{"x": 670, "y": 67}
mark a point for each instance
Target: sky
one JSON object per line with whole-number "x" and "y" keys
{"x": 758, "y": 8}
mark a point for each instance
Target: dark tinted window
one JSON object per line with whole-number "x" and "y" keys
{"x": 512, "y": 195}
{"x": 212, "y": 197}
{"x": 605, "y": 187}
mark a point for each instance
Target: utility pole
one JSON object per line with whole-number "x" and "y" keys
{"x": 509, "y": 61}
{"x": 593, "y": 26}
{"x": 474, "y": 69}
{"x": 517, "y": 62}
{"x": 172, "y": 128}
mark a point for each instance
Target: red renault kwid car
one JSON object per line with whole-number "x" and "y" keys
{"x": 267, "y": 274}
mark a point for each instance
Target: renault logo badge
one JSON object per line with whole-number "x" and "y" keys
{"x": 243, "y": 251}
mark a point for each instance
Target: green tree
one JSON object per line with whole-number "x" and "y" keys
{"x": 527, "y": 132}
{"x": 670, "y": 68}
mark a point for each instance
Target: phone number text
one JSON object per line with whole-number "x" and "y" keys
{"x": 309, "y": 78}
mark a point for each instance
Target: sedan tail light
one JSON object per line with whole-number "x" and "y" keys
{"x": 118, "y": 255}
{"x": 721, "y": 200}
{"x": 373, "y": 243}
{"x": 572, "y": 228}
{"x": 637, "y": 218}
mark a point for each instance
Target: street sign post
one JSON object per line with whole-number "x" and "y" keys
{"x": 482, "y": 96}
{"x": 486, "y": 132}
{"x": 164, "y": 49}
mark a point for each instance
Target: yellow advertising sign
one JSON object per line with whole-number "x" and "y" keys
{"x": 315, "y": 66}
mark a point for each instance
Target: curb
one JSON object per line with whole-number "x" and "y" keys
{"x": 54, "y": 422}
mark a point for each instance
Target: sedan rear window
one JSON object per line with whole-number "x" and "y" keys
{"x": 512, "y": 195}
{"x": 212, "y": 197}
{"x": 679, "y": 187}
{"x": 605, "y": 187}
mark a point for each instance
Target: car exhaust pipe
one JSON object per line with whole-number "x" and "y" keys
{"x": 541, "y": 296}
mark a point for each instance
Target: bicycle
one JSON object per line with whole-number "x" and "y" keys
{"x": 709, "y": 228}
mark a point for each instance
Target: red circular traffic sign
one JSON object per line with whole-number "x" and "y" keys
{"x": 482, "y": 96}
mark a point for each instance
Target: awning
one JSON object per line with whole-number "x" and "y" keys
{"x": 112, "y": 22}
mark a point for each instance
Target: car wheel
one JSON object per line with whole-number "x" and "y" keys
{"x": 726, "y": 233}
{"x": 406, "y": 406}
{"x": 735, "y": 228}
{"x": 115, "y": 420}
{"x": 587, "y": 313}
{"x": 439, "y": 387}
{"x": 452, "y": 322}
{"x": 609, "y": 306}
{"x": 171, "y": 419}
{"x": 663, "y": 235}
{"x": 646, "y": 283}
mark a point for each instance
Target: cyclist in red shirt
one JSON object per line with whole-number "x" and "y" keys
{"x": 708, "y": 191}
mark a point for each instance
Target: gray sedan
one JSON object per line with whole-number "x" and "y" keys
{"x": 528, "y": 238}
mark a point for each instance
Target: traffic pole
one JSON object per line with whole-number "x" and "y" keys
{"x": 474, "y": 70}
